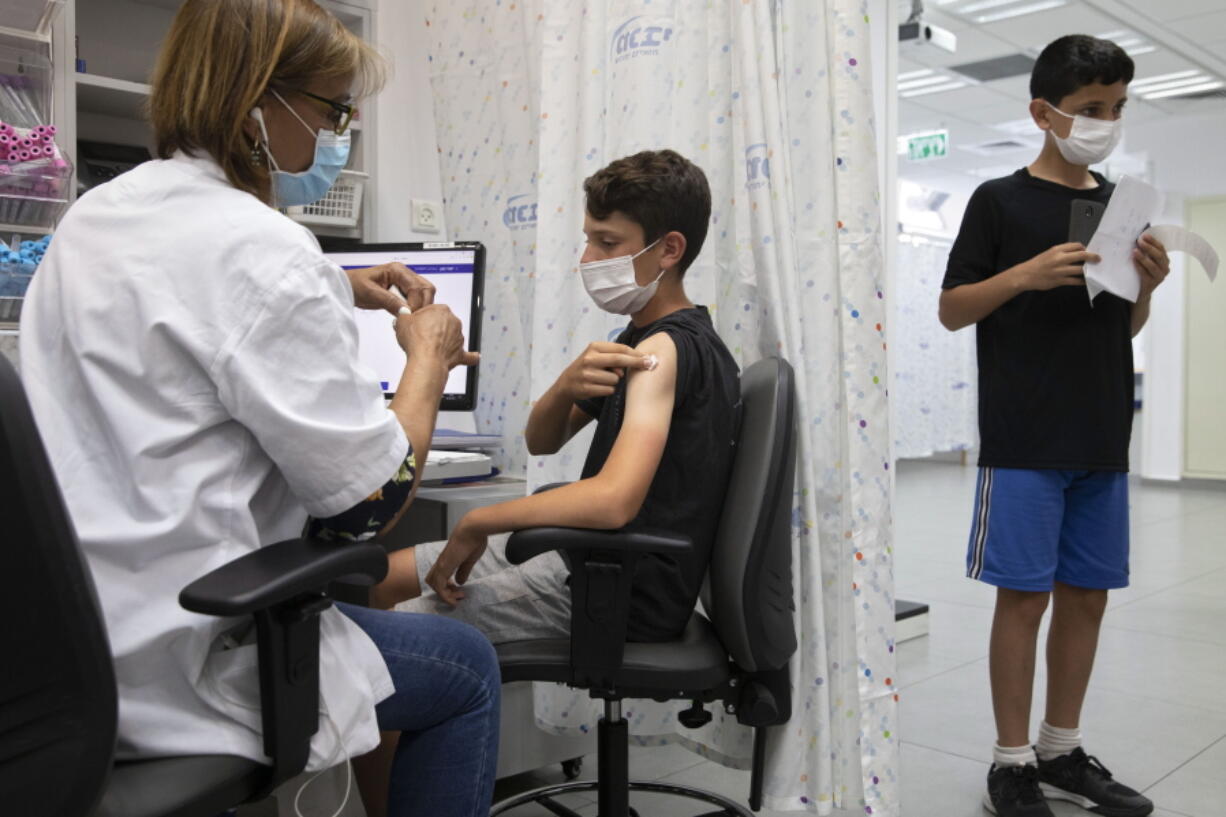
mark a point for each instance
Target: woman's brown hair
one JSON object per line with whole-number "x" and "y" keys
{"x": 222, "y": 56}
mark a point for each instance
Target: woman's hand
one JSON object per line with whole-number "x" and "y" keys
{"x": 372, "y": 288}
{"x": 434, "y": 331}
{"x": 453, "y": 566}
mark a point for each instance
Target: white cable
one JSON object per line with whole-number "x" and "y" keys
{"x": 331, "y": 762}
{"x": 337, "y": 749}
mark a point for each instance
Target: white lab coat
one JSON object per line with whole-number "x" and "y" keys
{"x": 191, "y": 359}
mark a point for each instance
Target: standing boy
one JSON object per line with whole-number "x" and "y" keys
{"x": 1055, "y": 418}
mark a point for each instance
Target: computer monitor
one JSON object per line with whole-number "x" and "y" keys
{"x": 457, "y": 270}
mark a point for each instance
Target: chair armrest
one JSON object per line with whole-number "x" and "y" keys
{"x": 530, "y": 542}
{"x": 602, "y": 566}
{"x": 282, "y": 587}
{"x": 549, "y": 487}
{"x": 276, "y": 573}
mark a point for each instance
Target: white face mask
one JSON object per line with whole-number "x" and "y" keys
{"x": 612, "y": 284}
{"x": 1090, "y": 140}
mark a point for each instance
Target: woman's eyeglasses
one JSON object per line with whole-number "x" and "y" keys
{"x": 340, "y": 113}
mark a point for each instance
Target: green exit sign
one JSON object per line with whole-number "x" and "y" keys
{"x": 923, "y": 146}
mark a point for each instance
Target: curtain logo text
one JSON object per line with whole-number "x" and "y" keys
{"x": 757, "y": 167}
{"x": 635, "y": 38}
{"x": 520, "y": 214}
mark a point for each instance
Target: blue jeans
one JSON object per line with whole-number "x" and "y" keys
{"x": 448, "y": 690}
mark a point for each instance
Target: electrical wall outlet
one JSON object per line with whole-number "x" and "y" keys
{"x": 427, "y": 215}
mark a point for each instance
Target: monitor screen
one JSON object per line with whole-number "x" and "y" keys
{"x": 457, "y": 270}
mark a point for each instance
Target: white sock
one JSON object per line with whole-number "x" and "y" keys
{"x": 1013, "y": 756}
{"x": 1056, "y": 740}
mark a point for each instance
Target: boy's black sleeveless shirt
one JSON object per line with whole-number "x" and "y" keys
{"x": 687, "y": 493}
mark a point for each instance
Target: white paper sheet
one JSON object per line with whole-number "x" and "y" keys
{"x": 1178, "y": 239}
{"x": 1133, "y": 206}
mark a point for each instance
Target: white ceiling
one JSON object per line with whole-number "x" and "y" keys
{"x": 1184, "y": 34}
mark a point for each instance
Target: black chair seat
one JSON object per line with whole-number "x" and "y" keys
{"x": 195, "y": 786}
{"x": 696, "y": 661}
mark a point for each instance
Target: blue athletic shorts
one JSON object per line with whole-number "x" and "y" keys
{"x": 1035, "y": 527}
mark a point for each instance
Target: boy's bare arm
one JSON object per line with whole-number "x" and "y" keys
{"x": 970, "y": 303}
{"x": 606, "y": 501}
{"x": 555, "y": 418}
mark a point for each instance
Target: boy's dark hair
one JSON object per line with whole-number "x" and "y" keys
{"x": 660, "y": 190}
{"x": 1075, "y": 61}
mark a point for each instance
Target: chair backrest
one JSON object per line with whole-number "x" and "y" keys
{"x": 58, "y": 702}
{"x": 749, "y": 588}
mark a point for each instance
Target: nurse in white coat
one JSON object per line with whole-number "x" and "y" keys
{"x": 191, "y": 358}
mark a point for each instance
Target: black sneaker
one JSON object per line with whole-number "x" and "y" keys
{"x": 1013, "y": 791}
{"x": 1081, "y": 779}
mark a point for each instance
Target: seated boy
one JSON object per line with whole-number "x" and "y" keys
{"x": 664, "y": 397}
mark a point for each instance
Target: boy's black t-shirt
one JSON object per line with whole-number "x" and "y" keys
{"x": 687, "y": 493}
{"x": 1055, "y": 373}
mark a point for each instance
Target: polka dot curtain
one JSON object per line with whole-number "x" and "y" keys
{"x": 935, "y": 391}
{"x": 774, "y": 101}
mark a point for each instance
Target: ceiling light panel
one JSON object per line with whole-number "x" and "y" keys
{"x": 934, "y": 89}
{"x": 923, "y": 82}
{"x": 1138, "y": 84}
{"x": 1189, "y": 89}
{"x": 1199, "y": 79}
{"x": 984, "y": 5}
{"x": 1018, "y": 11}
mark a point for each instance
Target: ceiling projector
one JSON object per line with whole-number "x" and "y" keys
{"x": 918, "y": 34}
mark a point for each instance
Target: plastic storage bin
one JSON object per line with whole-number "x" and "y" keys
{"x": 34, "y": 16}
{"x": 18, "y": 262}
{"x": 341, "y": 206}
{"x": 13, "y": 284}
{"x": 25, "y": 85}
{"x": 34, "y": 194}
{"x": 34, "y": 177}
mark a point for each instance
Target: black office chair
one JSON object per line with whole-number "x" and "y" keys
{"x": 58, "y": 700}
{"x": 739, "y": 656}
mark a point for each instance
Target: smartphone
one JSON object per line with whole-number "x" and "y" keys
{"x": 1084, "y": 218}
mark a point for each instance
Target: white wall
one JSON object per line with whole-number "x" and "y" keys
{"x": 1188, "y": 163}
{"x": 406, "y": 154}
{"x": 1162, "y": 390}
{"x": 1186, "y": 151}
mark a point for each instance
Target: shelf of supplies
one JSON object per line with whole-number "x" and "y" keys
{"x": 22, "y": 34}
{"x": 29, "y": 19}
{"x": 110, "y": 96}
{"x": 23, "y": 229}
{"x": 124, "y": 98}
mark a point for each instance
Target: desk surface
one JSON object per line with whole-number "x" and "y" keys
{"x": 497, "y": 489}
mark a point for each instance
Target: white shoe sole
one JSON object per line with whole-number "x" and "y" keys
{"x": 987, "y": 803}
{"x": 1053, "y": 793}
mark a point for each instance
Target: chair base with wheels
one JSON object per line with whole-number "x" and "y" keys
{"x": 614, "y": 768}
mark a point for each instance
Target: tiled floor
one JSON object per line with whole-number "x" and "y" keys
{"x": 1156, "y": 712}
{"x": 667, "y": 764}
